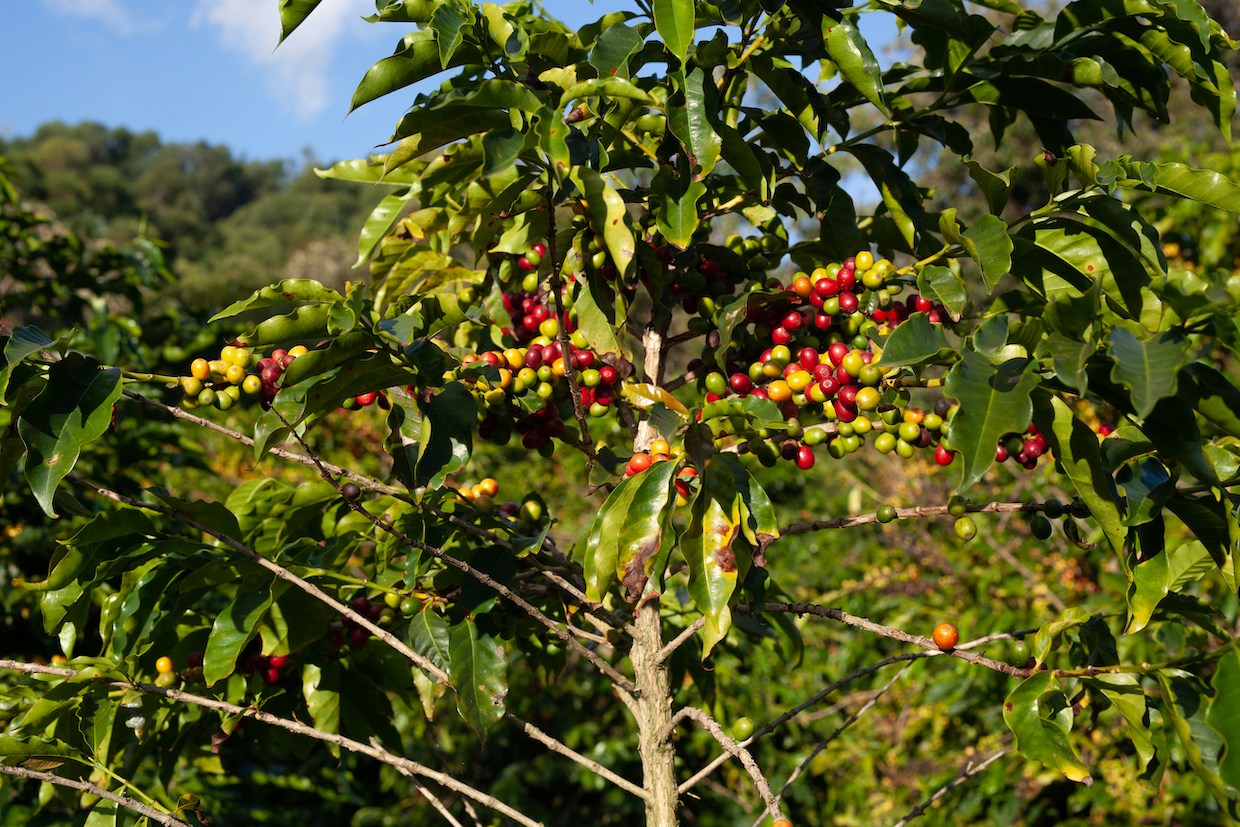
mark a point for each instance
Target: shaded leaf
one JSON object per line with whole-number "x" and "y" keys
{"x": 479, "y": 674}
{"x": 1147, "y": 367}
{"x": 994, "y": 401}
{"x": 72, "y": 410}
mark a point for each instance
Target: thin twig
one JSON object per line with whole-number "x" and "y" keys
{"x": 904, "y": 513}
{"x": 751, "y": 766}
{"x": 969, "y": 770}
{"x": 297, "y": 727}
{"x": 485, "y": 579}
{"x": 279, "y": 571}
{"x": 896, "y": 634}
{"x": 563, "y": 749}
{"x": 371, "y": 484}
{"x": 86, "y": 787}
{"x": 852, "y": 719}
{"x": 680, "y": 639}
{"x": 797, "y": 710}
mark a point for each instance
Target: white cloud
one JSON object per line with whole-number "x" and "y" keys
{"x": 112, "y": 13}
{"x": 299, "y": 69}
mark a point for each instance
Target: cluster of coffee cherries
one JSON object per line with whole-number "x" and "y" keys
{"x": 267, "y": 667}
{"x": 1024, "y": 448}
{"x": 271, "y": 368}
{"x": 661, "y": 451}
{"x": 531, "y": 389}
{"x": 220, "y": 382}
{"x": 346, "y": 629}
{"x": 531, "y": 317}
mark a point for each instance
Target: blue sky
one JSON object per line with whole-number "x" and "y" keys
{"x": 208, "y": 70}
{"x": 205, "y": 70}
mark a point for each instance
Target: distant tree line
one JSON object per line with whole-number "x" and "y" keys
{"x": 227, "y": 223}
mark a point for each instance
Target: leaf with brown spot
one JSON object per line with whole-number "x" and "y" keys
{"x": 716, "y": 549}
{"x": 629, "y": 533}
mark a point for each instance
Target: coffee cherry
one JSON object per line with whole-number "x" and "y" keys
{"x": 966, "y": 529}
{"x": 200, "y": 369}
{"x": 742, "y": 728}
{"x": 945, "y": 636}
{"x": 1040, "y": 527}
{"x": 350, "y": 491}
{"x": 886, "y": 513}
{"x": 164, "y": 665}
{"x": 957, "y": 506}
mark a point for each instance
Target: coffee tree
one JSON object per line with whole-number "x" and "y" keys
{"x": 632, "y": 251}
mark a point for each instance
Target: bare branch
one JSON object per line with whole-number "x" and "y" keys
{"x": 970, "y": 769}
{"x": 680, "y": 639}
{"x": 297, "y": 727}
{"x": 86, "y": 787}
{"x": 852, "y": 719}
{"x": 279, "y": 571}
{"x": 563, "y": 749}
{"x": 482, "y": 577}
{"x": 905, "y": 513}
{"x": 926, "y": 643}
{"x": 751, "y": 766}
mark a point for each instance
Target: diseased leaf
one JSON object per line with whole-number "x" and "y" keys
{"x": 645, "y": 537}
{"x": 715, "y": 548}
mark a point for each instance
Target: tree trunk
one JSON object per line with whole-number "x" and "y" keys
{"x": 653, "y": 708}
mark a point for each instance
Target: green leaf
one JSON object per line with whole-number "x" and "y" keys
{"x": 292, "y": 13}
{"x": 1075, "y": 448}
{"x": 26, "y": 748}
{"x": 1125, "y": 693}
{"x": 447, "y": 22}
{"x": 602, "y": 549}
{"x": 284, "y": 295}
{"x": 379, "y": 222}
{"x": 944, "y": 285}
{"x": 26, "y": 341}
{"x": 428, "y": 636}
{"x": 609, "y": 214}
{"x": 674, "y": 21}
{"x": 234, "y": 627}
{"x": 645, "y": 537}
{"x": 479, "y": 674}
{"x": 417, "y": 57}
{"x": 72, "y": 410}
{"x": 1044, "y": 638}
{"x": 688, "y": 116}
{"x": 916, "y": 341}
{"x": 1146, "y": 366}
{"x": 320, "y": 686}
{"x": 994, "y": 401}
{"x": 987, "y": 243}
{"x": 996, "y": 186}
{"x": 1204, "y": 185}
{"x": 1041, "y": 718}
{"x": 1224, "y": 716}
{"x": 856, "y": 62}
{"x": 675, "y": 209}
{"x": 1184, "y": 705}
{"x": 447, "y": 435}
